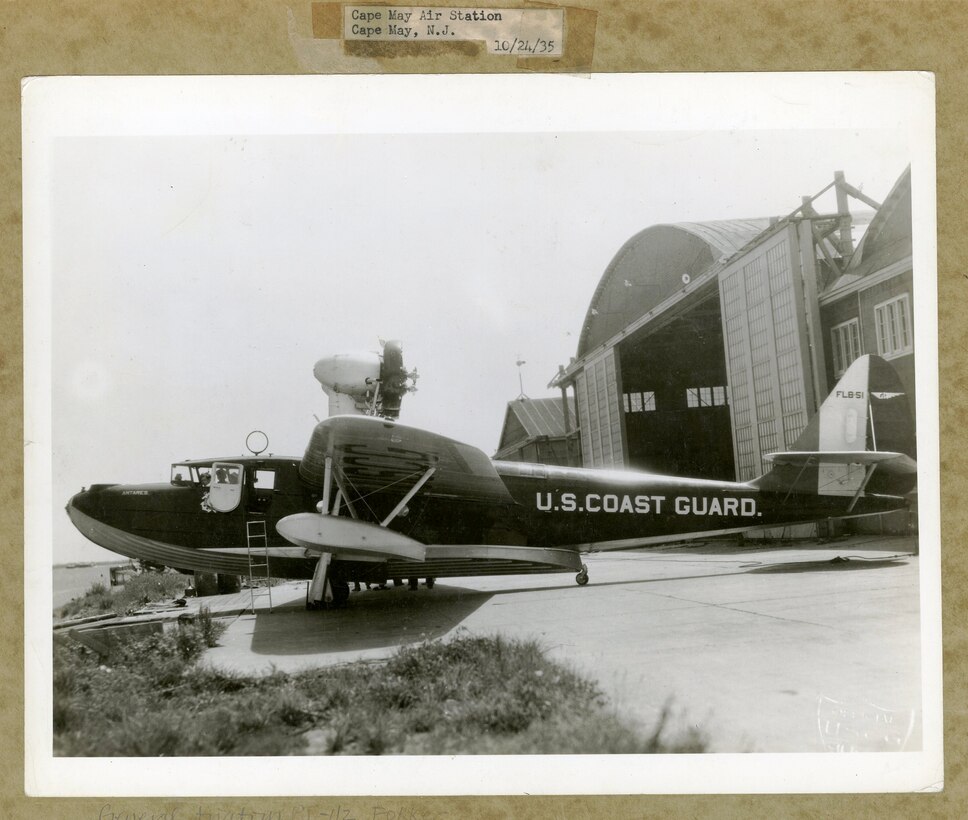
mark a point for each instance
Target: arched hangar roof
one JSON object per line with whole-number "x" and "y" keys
{"x": 650, "y": 267}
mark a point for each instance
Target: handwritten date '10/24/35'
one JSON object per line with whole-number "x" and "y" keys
{"x": 516, "y": 46}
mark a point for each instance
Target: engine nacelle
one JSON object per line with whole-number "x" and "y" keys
{"x": 354, "y": 374}
{"x": 366, "y": 382}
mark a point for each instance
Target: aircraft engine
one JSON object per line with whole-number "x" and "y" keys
{"x": 366, "y": 383}
{"x": 393, "y": 379}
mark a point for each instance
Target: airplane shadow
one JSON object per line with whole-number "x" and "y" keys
{"x": 895, "y": 544}
{"x": 374, "y": 619}
{"x": 834, "y": 565}
{"x": 386, "y": 619}
{"x": 785, "y": 566}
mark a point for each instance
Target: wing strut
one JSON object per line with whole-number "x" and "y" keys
{"x": 337, "y": 474}
{"x": 320, "y": 590}
{"x": 863, "y": 484}
{"x": 323, "y": 505}
{"x": 410, "y": 494}
{"x": 807, "y": 463}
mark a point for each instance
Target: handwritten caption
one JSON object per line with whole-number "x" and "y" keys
{"x": 321, "y": 811}
{"x": 517, "y": 32}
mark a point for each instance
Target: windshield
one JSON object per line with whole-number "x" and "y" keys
{"x": 181, "y": 474}
{"x": 201, "y": 475}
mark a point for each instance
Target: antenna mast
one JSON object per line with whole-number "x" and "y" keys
{"x": 519, "y": 363}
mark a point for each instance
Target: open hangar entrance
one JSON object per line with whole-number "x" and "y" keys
{"x": 673, "y": 379}
{"x": 650, "y": 375}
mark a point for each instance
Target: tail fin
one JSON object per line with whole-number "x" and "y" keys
{"x": 862, "y": 438}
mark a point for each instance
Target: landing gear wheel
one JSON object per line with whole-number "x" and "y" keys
{"x": 582, "y": 577}
{"x": 430, "y": 583}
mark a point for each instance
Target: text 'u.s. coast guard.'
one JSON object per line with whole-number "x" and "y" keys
{"x": 737, "y": 506}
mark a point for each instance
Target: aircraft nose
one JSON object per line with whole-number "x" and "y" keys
{"x": 87, "y": 501}
{"x": 82, "y": 502}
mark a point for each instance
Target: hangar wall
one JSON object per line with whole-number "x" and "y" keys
{"x": 766, "y": 330}
{"x": 601, "y": 421}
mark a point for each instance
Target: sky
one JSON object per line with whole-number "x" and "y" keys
{"x": 196, "y": 278}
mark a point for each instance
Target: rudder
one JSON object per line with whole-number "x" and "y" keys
{"x": 862, "y": 438}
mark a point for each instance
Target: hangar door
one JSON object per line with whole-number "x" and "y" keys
{"x": 766, "y": 331}
{"x": 600, "y": 412}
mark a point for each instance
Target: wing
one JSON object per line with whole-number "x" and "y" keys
{"x": 368, "y": 455}
{"x": 373, "y": 454}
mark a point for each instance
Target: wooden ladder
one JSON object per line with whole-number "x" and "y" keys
{"x": 257, "y": 547}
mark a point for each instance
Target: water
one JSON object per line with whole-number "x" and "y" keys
{"x": 73, "y": 581}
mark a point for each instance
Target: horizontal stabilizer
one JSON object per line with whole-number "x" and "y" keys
{"x": 832, "y": 457}
{"x": 348, "y": 538}
{"x": 861, "y": 441}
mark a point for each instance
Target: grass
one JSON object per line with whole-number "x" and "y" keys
{"x": 470, "y": 695}
{"x": 136, "y": 592}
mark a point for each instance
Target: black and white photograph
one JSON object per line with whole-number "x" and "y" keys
{"x": 481, "y": 434}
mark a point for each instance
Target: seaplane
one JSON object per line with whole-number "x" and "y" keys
{"x": 373, "y": 500}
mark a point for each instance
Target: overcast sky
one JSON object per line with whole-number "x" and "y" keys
{"x": 197, "y": 278}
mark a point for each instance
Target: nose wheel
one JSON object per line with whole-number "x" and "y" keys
{"x": 582, "y": 577}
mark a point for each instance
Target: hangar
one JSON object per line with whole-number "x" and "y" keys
{"x": 707, "y": 345}
{"x": 539, "y": 431}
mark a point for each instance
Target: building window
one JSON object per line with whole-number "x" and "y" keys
{"x": 893, "y": 322}
{"x": 705, "y": 396}
{"x": 845, "y": 342}
{"x": 639, "y": 402}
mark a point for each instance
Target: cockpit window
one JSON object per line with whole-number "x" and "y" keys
{"x": 264, "y": 479}
{"x": 203, "y": 475}
{"x": 181, "y": 475}
{"x": 228, "y": 474}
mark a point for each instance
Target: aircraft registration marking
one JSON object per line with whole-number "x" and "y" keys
{"x": 689, "y": 505}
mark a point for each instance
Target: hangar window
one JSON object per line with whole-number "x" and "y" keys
{"x": 705, "y": 396}
{"x": 640, "y": 402}
{"x": 845, "y": 343}
{"x": 893, "y": 322}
